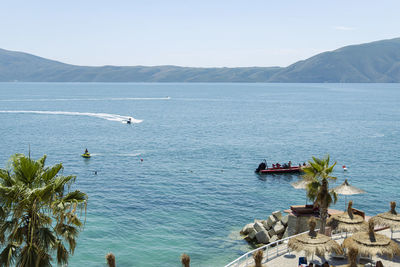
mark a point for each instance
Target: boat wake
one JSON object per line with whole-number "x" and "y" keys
{"x": 128, "y": 154}
{"x": 85, "y": 99}
{"x": 105, "y": 116}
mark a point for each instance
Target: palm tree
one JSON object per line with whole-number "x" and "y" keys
{"x": 39, "y": 215}
{"x": 318, "y": 174}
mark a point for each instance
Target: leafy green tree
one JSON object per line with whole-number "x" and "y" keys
{"x": 318, "y": 174}
{"x": 40, "y": 217}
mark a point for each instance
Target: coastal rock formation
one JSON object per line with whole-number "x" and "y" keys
{"x": 272, "y": 229}
{"x": 263, "y": 237}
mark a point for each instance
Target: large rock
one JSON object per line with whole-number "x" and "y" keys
{"x": 266, "y": 226}
{"x": 247, "y": 238}
{"x": 271, "y": 232}
{"x": 285, "y": 234}
{"x": 279, "y": 228}
{"x": 285, "y": 220}
{"x": 292, "y": 223}
{"x": 262, "y": 237}
{"x": 273, "y": 239}
{"x": 271, "y": 220}
{"x": 252, "y": 234}
{"x": 277, "y": 214}
{"x": 258, "y": 227}
{"x": 247, "y": 229}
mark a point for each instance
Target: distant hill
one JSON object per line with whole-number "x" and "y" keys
{"x": 372, "y": 62}
{"x": 376, "y": 62}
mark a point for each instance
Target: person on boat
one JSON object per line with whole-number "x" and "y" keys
{"x": 304, "y": 164}
{"x": 129, "y": 121}
{"x": 273, "y": 166}
{"x": 290, "y": 164}
{"x": 278, "y": 166}
{"x": 86, "y": 151}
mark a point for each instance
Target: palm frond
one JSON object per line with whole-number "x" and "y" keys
{"x": 51, "y": 172}
{"x": 28, "y": 256}
{"x": 8, "y": 255}
{"x": 62, "y": 253}
{"x": 45, "y": 238}
{"x": 42, "y": 161}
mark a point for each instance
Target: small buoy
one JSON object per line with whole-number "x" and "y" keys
{"x": 344, "y": 168}
{"x": 141, "y": 160}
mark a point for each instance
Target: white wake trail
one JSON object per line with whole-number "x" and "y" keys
{"x": 105, "y": 116}
{"x": 85, "y": 99}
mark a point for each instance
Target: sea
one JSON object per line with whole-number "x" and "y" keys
{"x": 180, "y": 178}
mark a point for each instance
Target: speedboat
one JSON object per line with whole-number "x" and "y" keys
{"x": 86, "y": 155}
{"x": 295, "y": 169}
{"x": 263, "y": 169}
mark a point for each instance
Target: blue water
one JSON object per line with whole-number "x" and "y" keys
{"x": 200, "y": 144}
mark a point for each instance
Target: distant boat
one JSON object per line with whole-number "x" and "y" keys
{"x": 344, "y": 168}
{"x": 86, "y": 155}
{"x": 295, "y": 169}
{"x": 263, "y": 169}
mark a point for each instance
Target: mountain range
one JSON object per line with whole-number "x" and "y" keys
{"x": 375, "y": 62}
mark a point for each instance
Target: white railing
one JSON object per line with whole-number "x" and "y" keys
{"x": 271, "y": 251}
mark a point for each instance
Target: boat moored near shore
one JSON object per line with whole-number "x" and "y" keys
{"x": 277, "y": 168}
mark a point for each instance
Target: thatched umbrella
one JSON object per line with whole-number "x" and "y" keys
{"x": 302, "y": 184}
{"x": 352, "y": 257}
{"x": 110, "y": 258}
{"x": 390, "y": 218}
{"x": 185, "y": 259}
{"x": 347, "y": 221}
{"x": 346, "y": 189}
{"x": 370, "y": 243}
{"x": 258, "y": 257}
{"x": 314, "y": 243}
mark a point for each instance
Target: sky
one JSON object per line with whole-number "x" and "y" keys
{"x": 192, "y": 33}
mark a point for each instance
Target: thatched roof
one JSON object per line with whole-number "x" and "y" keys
{"x": 347, "y": 189}
{"x": 370, "y": 243}
{"x": 314, "y": 243}
{"x": 390, "y": 218}
{"x": 302, "y": 184}
{"x": 347, "y": 221}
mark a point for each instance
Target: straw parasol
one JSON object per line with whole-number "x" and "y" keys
{"x": 390, "y": 218}
{"x": 110, "y": 258}
{"x": 314, "y": 243}
{"x": 302, "y": 184}
{"x": 347, "y": 221}
{"x": 370, "y": 243}
{"x": 352, "y": 258}
{"x": 346, "y": 189}
{"x": 185, "y": 260}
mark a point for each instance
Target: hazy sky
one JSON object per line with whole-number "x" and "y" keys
{"x": 192, "y": 33}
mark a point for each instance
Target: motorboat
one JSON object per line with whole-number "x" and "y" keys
{"x": 295, "y": 169}
{"x": 263, "y": 169}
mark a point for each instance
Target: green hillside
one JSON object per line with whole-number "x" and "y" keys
{"x": 372, "y": 62}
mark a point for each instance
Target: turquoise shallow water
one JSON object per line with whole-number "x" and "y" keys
{"x": 196, "y": 187}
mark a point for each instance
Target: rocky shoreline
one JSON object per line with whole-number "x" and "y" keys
{"x": 274, "y": 228}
